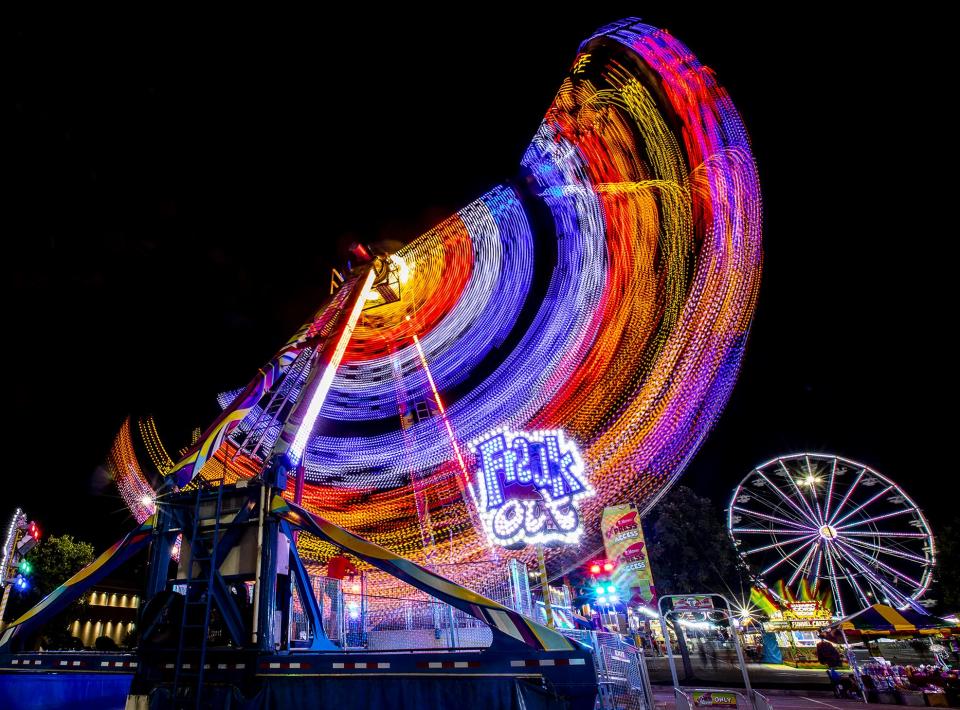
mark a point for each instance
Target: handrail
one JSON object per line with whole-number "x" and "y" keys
{"x": 761, "y": 702}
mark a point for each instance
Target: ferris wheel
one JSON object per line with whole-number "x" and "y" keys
{"x": 833, "y": 521}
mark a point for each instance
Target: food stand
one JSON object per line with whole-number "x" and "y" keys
{"x": 797, "y": 625}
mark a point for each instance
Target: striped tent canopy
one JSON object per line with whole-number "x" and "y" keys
{"x": 882, "y": 621}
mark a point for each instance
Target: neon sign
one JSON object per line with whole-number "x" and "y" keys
{"x": 530, "y": 484}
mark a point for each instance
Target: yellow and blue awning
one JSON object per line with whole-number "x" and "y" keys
{"x": 882, "y": 621}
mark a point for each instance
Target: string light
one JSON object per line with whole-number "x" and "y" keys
{"x": 16, "y": 520}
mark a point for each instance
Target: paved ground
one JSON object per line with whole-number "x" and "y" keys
{"x": 725, "y": 673}
{"x": 780, "y": 700}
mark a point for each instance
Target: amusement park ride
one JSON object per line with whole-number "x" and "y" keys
{"x": 584, "y": 323}
{"x": 828, "y": 522}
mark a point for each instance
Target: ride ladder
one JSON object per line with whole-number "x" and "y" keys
{"x": 198, "y": 594}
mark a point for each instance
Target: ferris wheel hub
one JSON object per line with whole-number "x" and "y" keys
{"x": 828, "y": 532}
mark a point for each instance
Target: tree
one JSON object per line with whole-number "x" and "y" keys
{"x": 54, "y": 561}
{"x": 690, "y": 550}
{"x": 691, "y": 553}
{"x": 948, "y": 566}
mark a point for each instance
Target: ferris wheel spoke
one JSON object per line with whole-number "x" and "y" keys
{"x": 846, "y": 496}
{"x": 860, "y": 507}
{"x": 774, "y": 504}
{"x": 805, "y": 544}
{"x": 815, "y": 567}
{"x": 874, "y": 519}
{"x": 829, "y": 498}
{"x": 813, "y": 492}
{"x": 882, "y": 587}
{"x": 771, "y": 531}
{"x": 833, "y": 581}
{"x": 787, "y": 499}
{"x": 811, "y": 548}
{"x": 852, "y": 579}
{"x": 774, "y": 518}
{"x": 889, "y": 551}
{"x": 793, "y": 482}
{"x": 774, "y": 545}
{"x": 807, "y": 564}
{"x": 871, "y": 561}
{"x": 854, "y": 533}
{"x": 775, "y": 508}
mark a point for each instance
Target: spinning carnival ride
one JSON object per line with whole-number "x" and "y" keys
{"x": 607, "y": 291}
{"x": 592, "y": 313}
{"x": 824, "y": 520}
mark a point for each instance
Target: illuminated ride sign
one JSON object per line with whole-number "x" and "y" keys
{"x": 530, "y": 484}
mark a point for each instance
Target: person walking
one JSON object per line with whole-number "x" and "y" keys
{"x": 711, "y": 652}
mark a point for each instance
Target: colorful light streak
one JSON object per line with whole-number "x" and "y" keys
{"x": 304, "y": 428}
{"x": 443, "y": 412}
{"x": 18, "y": 519}
{"x": 608, "y": 292}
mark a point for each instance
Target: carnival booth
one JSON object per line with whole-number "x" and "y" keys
{"x": 794, "y": 620}
{"x": 885, "y": 682}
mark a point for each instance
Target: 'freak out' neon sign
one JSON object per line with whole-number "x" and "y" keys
{"x": 530, "y": 485}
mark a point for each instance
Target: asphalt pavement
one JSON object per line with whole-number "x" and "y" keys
{"x": 781, "y": 700}
{"x": 725, "y": 674}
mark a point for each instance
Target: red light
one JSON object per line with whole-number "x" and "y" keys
{"x": 607, "y": 566}
{"x": 360, "y": 252}
{"x": 594, "y": 569}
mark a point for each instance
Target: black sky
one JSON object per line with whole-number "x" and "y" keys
{"x": 177, "y": 191}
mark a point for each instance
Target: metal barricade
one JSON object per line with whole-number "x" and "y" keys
{"x": 693, "y": 698}
{"x": 624, "y": 683}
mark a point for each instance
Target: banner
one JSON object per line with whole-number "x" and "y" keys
{"x": 693, "y": 603}
{"x": 626, "y": 548}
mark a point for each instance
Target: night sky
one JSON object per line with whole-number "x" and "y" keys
{"x": 177, "y": 193}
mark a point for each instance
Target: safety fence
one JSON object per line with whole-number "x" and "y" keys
{"x": 377, "y": 612}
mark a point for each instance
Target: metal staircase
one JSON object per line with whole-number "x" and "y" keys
{"x": 192, "y": 659}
